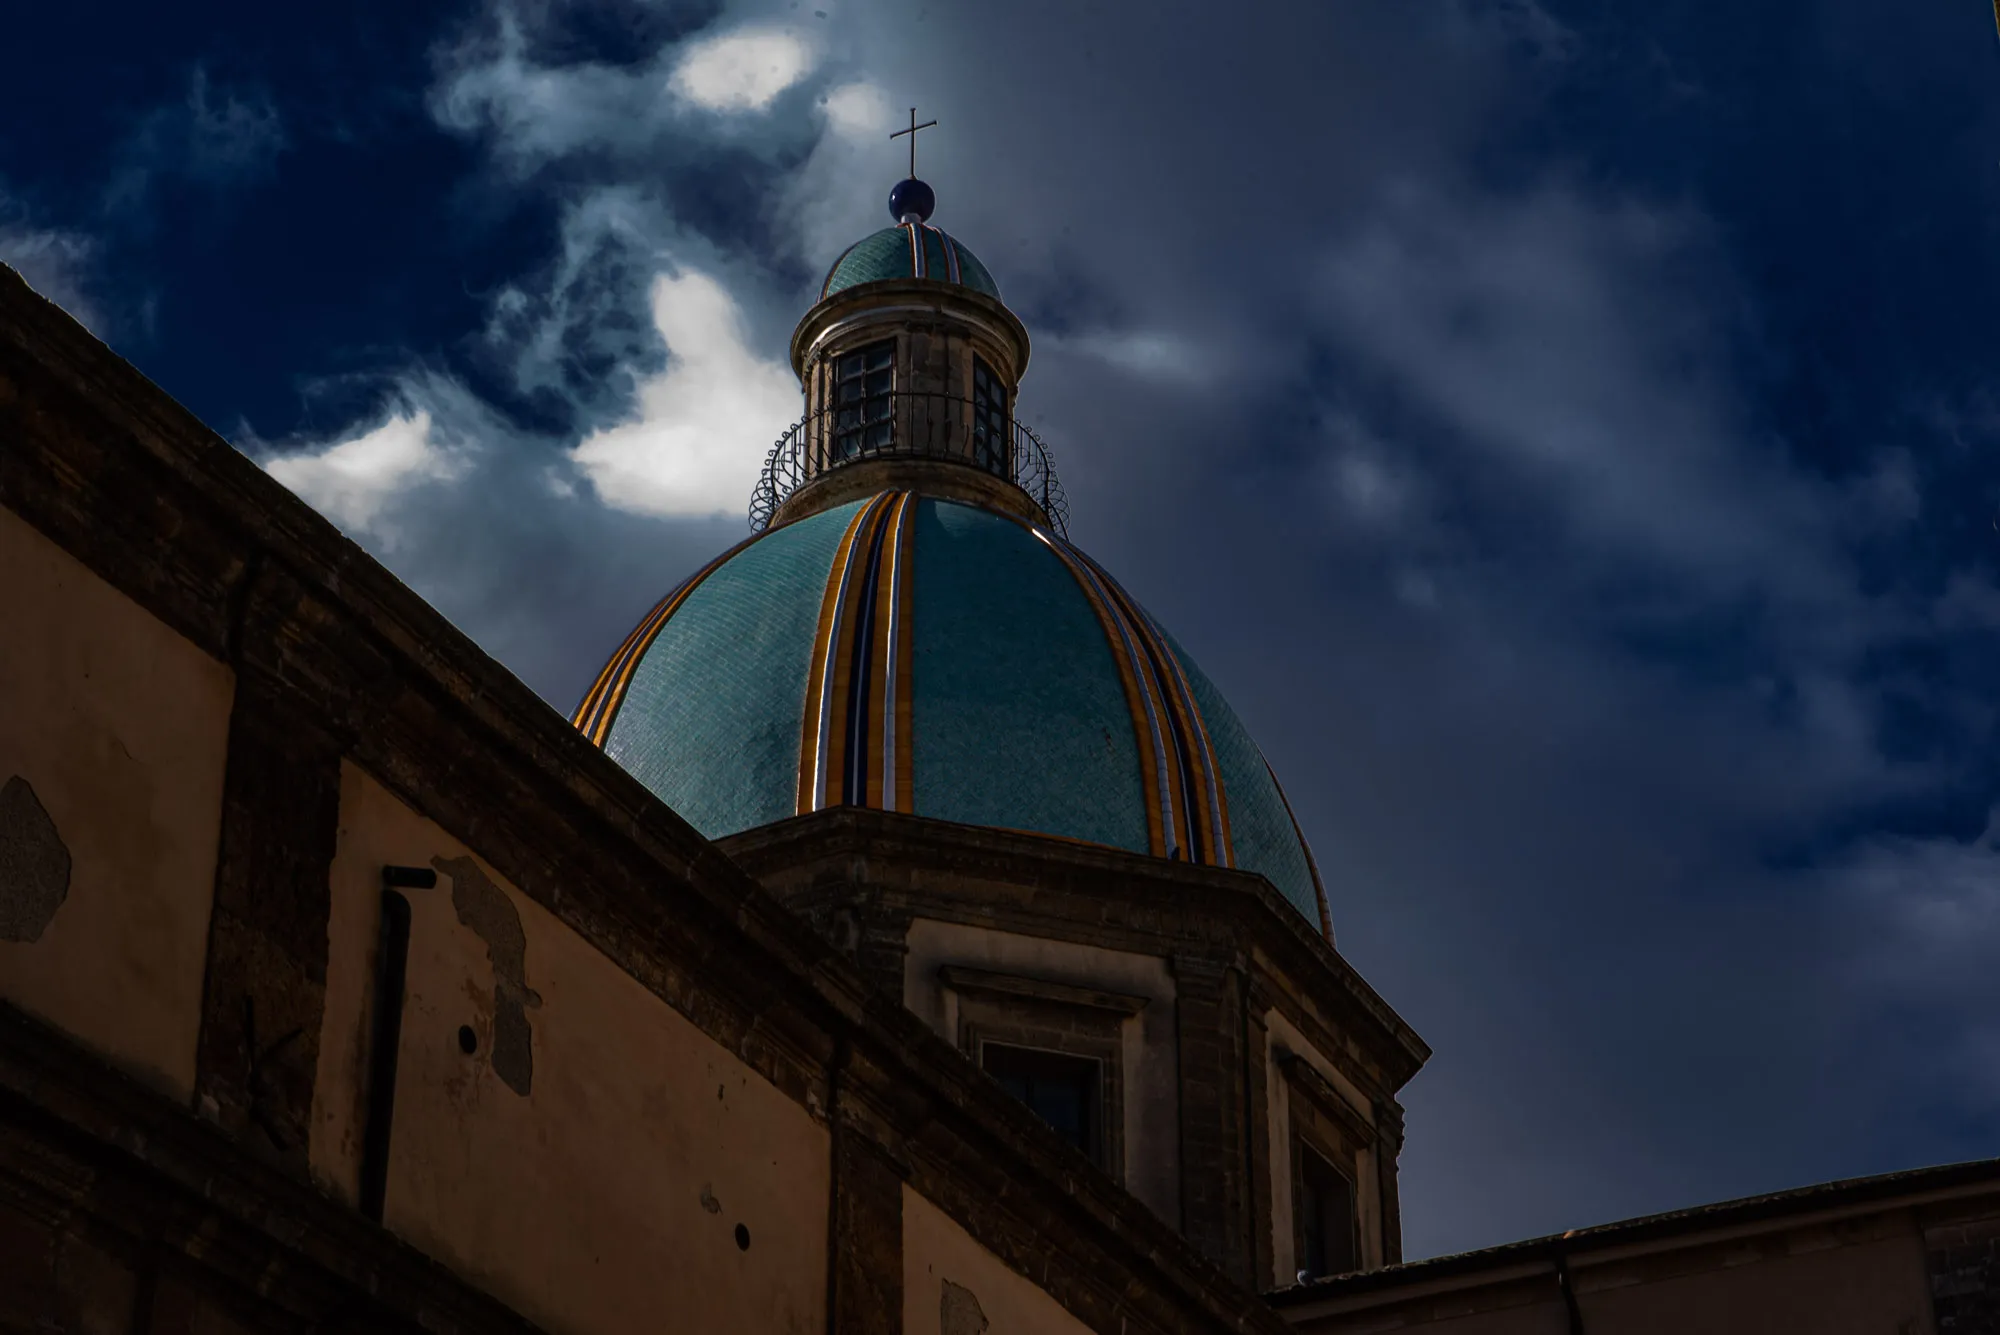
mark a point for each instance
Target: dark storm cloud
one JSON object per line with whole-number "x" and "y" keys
{"x": 1496, "y": 399}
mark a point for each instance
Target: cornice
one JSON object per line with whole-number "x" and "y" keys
{"x": 913, "y": 299}
{"x": 1122, "y": 900}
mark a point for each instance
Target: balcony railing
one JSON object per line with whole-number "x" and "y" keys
{"x": 909, "y": 426}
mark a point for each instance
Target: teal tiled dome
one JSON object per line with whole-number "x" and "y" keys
{"x": 921, "y": 655}
{"x": 911, "y": 250}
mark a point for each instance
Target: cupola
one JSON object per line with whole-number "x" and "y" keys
{"x": 910, "y": 365}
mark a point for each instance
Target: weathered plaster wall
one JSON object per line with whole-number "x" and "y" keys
{"x": 1818, "y": 1280}
{"x": 954, "y": 1286}
{"x": 1151, "y": 1128}
{"x": 1284, "y": 1037}
{"x": 113, "y": 731}
{"x": 596, "y": 1161}
{"x": 1543, "y": 1317}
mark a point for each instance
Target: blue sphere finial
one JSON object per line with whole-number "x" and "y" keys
{"x": 912, "y": 198}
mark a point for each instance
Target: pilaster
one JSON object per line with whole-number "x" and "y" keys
{"x": 1215, "y": 1187}
{"x": 264, "y": 990}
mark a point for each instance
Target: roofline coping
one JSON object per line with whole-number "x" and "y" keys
{"x": 1605, "y": 1243}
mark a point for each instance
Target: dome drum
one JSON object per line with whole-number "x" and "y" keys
{"x": 945, "y": 318}
{"x": 909, "y": 370}
{"x": 842, "y": 452}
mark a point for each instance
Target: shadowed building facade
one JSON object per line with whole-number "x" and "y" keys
{"x": 903, "y": 934}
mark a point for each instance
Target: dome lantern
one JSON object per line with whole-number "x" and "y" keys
{"x": 910, "y": 364}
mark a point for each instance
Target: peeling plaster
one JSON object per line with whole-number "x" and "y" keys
{"x": 34, "y": 864}
{"x": 485, "y": 908}
{"x": 959, "y": 1312}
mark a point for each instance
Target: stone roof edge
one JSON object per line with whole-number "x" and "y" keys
{"x": 296, "y": 550}
{"x": 1799, "y": 1204}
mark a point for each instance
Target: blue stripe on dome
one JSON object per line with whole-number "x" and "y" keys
{"x": 712, "y": 719}
{"x": 1019, "y": 714}
{"x": 937, "y": 263}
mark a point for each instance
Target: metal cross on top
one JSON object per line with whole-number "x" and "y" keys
{"x": 914, "y": 127}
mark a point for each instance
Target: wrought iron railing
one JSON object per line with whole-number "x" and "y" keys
{"x": 909, "y": 426}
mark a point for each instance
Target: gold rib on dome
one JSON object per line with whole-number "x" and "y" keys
{"x": 1187, "y": 806}
{"x": 1142, "y": 704}
{"x": 1196, "y": 787}
{"x": 856, "y": 747}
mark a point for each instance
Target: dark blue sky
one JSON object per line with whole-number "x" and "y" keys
{"x": 1565, "y": 430}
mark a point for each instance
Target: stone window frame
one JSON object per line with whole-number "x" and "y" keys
{"x": 1041, "y": 1015}
{"x": 1324, "y": 1122}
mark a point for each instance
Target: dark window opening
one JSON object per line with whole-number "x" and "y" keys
{"x": 862, "y": 402}
{"x": 1060, "y": 1089}
{"x": 1325, "y": 1210}
{"x": 990, "y": 437}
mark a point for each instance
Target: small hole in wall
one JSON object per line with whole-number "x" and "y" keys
{"x": 742, "y": 1238}
{"x": 468, "y": 1042}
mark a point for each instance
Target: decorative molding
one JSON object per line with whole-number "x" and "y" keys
{"x": 1323, "y": 1095}
{"x": 1086, "y": 893}
{"x": 962, "y": 979}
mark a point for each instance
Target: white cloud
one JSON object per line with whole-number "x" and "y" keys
{"x": 51, "y": 262}
{"x": 743, "y": 70}
{"x": 705, "y": 423}
{"x": 857, "y": 110}
{"x": 353, "y": 481}
{"x": 537, "y": 112}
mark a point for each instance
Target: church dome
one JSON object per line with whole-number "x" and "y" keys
{"x": 916, "y": 653}
{"x": 910, "y": 250}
